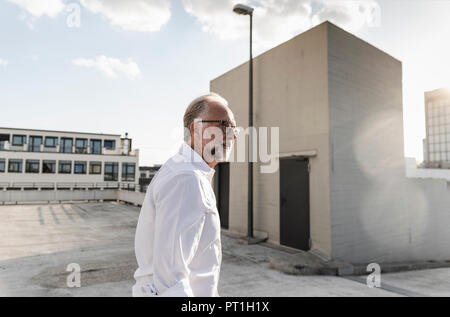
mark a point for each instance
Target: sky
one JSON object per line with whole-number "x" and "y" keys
{"x": 115, "y": 66}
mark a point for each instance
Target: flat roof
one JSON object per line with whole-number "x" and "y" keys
{"x": 39, "y": 130}
{"x": 296, "y": 37}
{"x": 149, "y": 168}
{"x": 438, "y": 92}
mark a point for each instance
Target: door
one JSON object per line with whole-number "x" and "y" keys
{"x": 35, "y": 144}
{"x": 294, "y": 203}
{"x": 222, "y": 191}
{"x": 66, "y": 145}
{"x": 96, "y": 146}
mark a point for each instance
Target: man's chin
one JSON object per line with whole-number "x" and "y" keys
{"x": 218, "y": 156}
{"x": 222, "y": 159}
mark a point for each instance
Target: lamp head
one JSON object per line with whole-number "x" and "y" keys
{"x": 243, "y": 9}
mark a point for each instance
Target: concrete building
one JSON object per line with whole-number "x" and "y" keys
{"x": 51, "y": 159}
{"x": 146, "y": 175}
{"x": 436, "y": 146}
{"x": 341, "y": 190}
{"x": 147, "y": 172}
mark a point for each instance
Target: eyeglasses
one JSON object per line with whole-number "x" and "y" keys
{"x": 226, "y": 126}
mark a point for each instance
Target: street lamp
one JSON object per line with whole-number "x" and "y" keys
{"x": 243, "y": 9}
{"x": 246, "y": 10}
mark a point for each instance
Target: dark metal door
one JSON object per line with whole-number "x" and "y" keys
{"x": 294, "y": 203}
{"x": 222, "y": 191}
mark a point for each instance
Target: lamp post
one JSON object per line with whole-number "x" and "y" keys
{"x": 246, "y": 10}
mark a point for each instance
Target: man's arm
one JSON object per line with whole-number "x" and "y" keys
{"x": 180, "y": 218}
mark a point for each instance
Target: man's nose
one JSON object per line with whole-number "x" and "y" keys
{"x": 232, "y": 137}
{"x": 231, "y": 133}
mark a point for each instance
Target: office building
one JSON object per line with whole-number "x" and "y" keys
{"x": 436, "y": 146}
{"x": 51, "y": 159}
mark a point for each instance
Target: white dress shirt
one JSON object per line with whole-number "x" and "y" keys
{"x": 177, "y": 243}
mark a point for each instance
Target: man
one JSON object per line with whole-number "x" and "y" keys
{"x": 178, "y": 246}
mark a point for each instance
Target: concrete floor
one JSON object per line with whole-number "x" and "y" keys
{"x": 38, "y": 242}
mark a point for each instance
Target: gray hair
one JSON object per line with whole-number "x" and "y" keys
{"x": 197, "y": 108}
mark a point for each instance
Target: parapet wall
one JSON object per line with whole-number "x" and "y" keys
{"x": 74, "y": 194}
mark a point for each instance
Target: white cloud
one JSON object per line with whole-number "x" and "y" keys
{"x": 276, "y": 21}
{"x": 110, "y": 67}
{"x": 132, "y": 15}
{"x": 28, "y": 19}
{"x": 3, "y": 62}
{"x": 351, "y": 15}
{"x": 42, "y": 7}
{"x": 216, "y": 17}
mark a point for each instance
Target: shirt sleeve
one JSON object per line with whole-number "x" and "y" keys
{"x": 181, "y": 208}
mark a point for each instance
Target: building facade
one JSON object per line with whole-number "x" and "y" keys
{"x": 30, "y": 158}
{"x": 341, "y": 189}
{"x": 146, "y": 175}
{"x": 436, "y": 146}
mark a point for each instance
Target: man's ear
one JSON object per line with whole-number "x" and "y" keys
{"x": 192, "y": 129}
{"x": 196, "y": 142}
{"x": 193, "y": 133}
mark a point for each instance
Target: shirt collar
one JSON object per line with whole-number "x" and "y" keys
{"x": 191, "y": 156}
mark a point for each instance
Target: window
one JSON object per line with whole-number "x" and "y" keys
{"x": 65, "y": 167}
{"x": 15, "y": 166}
{"x": 51, "y": 141}
{"x": 96, "y": 146}
{"x": 66, "y": 145}
{"x": 95, "y": 168}
{"x": 32, "y": 166}
{"x": 80, "y": 168}
{"x": 109, "y": 144}
{"x": 81, "y": 146}
{"x": 35, "y": 144}
{"x": 143, "y": 175}
{"x": 111, "y": 172}
{"x": 19, "y": 139}
{"x": 4, "y": 138}
{"x": 2, "y": 165}
{"x": 128, "y": 171}
{"x": 49, "y": 167}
